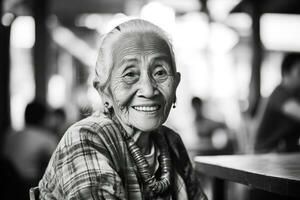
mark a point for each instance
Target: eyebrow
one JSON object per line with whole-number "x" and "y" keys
{"x": 162, "y": 57}
{"x": 128, "y": 59}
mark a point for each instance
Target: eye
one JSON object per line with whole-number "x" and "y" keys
{"x": 131, "y": 76}
{"x": 160, "y": 73}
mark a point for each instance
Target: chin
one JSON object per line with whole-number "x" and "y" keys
{"x": 148, "y": 126}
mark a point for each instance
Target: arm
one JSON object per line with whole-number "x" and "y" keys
{"x": 193, "y": 184}
{"x": 281, "y": 107}
{"x": 86, "y": 170}
{"x": 182, "y": 163}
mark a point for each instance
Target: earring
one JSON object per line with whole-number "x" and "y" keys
{"x": 107, "y": 109}
{"x": 174, "y": 105}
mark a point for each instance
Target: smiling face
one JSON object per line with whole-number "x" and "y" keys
{"x": 143, "y": 81}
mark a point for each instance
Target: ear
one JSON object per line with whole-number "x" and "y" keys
{"x": 177, "y": 79}
{"x": 106, "y": 98}
{"x": 104, "y": 93}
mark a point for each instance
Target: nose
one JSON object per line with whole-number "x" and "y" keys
{"x": 147, "y": 87}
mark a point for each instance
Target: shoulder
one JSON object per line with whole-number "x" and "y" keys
{"x": 94, "y": 122}
{"x": 91, "y": 128}
{"x": 280, "y": 92}
{"x": 170, "y": 134}
{"x": 173, "y": 139}
{"x": 278, "y": 97}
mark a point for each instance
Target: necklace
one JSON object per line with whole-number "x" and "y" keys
{"x": 153, "y": 186}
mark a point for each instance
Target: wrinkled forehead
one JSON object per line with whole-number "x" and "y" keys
{"x": 140, "y": 43}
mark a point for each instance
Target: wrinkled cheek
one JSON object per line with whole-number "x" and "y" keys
{"x": 167, "y": 104}
{"x": 121, "y": 111}
{"x": 120, "y": 106}
{"x": 120, "y": 103}
{"x": 120, "y": 94}
{"x": 121, "y": 100}
{"x": 168, "y": 92}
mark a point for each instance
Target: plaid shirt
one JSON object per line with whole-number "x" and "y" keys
{"x": 92, "y": 162}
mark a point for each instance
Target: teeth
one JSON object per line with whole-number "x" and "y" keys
{"x": 146, "y": 108}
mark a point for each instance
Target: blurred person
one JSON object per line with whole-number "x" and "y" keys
{"x": 57, "y": 121}
{"x": 124, "y": 151}
{"x": 214, "y": 136}
{"x": 30, "y": 149}
{"x": 10, "y": 180}
{"x": 279, "y": 129}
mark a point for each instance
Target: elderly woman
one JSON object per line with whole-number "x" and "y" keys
{"x": 125, "y": 152}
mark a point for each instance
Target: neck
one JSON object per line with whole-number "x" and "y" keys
{"x": 142, "y": 139}
{"x": 143, "y": 142}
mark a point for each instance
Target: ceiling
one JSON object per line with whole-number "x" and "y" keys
{"x": 66, "y": 7}
{"x": 269, "y": 6}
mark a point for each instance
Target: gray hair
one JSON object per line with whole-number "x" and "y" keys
{"x": 105, "y": 63}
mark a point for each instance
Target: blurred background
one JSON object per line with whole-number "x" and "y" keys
{"x": 228, "y": 52}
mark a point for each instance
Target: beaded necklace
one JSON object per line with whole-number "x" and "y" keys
{"x": 152, "y": 185}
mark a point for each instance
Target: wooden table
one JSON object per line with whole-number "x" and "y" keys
{"x": 277, "y": 173}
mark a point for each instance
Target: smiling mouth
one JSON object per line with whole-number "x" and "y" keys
{"x": 151, "y": 108}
